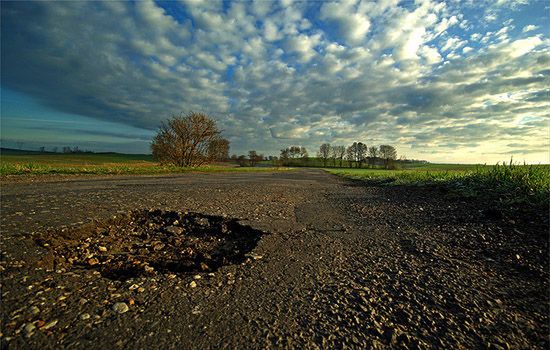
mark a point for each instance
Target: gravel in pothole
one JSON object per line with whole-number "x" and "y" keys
{"x": 150, "y": 242}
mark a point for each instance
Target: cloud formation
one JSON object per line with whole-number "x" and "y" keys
{"x": 435, "y": 79}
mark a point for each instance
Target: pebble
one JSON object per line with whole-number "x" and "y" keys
{"x": 102, "y": 249}
{"x": 33, "y": 310}
{"x": 120, "y": 307}
{"x": 29, "y": 328}
{"x": 84, "y": 316}
{"x": 193, "y": 284}
{"x": 197, "y": 277}
{"x": 50, "y": 324}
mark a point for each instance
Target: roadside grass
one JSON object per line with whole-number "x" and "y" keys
{"x": 507, "y": 183}
{"x": 103, "y": 164}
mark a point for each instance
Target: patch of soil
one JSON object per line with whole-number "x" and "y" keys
{"x": 149, "y": 242}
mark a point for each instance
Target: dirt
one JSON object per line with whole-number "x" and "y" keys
{"x": 299, "y": 259}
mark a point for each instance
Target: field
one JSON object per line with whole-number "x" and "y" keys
{"x": 507, "y": 183}
{"x": 35, "y": 163}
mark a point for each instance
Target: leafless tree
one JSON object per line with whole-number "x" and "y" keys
{"x": 294, "y": 152}
{"x": 388, "y": 153}
{"x": 185, "y": 140}
{"x": 242, "y": 161}
{"x": 373, "y": 153}
{"x": 324, "y": 153}
{"x": 218, "y": 150}
{"x": 254, "y": 157}
{"x": 361, "y": 153}
{"x": 350, "y": 155}
{"x": 339, "y": 153}
{"x": 304, "y": 155}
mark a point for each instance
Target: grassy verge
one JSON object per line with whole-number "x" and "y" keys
{"x": 506, "y": 183}
{"x": 114, "y": 169}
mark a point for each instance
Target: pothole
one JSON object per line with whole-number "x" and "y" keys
{"x": 151, "y": 242}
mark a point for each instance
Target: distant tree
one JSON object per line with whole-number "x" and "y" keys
{"x": 357, "y": 153}
{"x": 388, "y": 153}
{"x": 42, "y": 149}
{"x": 185, "y": 140}
{"x": 324, "y": 153}
{"x": 350, "y": 155}
{"x": 373, "y": 154}
{"x": 361, "y": 153}
{"x": 242, "y": 161}
{"x": 304, "y": 155}
{"x": 67, "y": 149}
{"x": 218, "y": 150}
{"x": 295, "y": 151}
{"x": 254, "y": 158}
{"x": 54, "y": 150}
{"x": 333, "y": 155}
{"x": 285, "y": 155}
{"x": 290, "y": 154}
{"x": 339, "y": 153}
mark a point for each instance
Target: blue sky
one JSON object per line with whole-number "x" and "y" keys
{"x": 455, "y": 81}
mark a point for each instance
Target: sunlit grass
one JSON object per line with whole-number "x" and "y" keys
{"x": 103, "y": 164}
{"x": 505, "y": 182}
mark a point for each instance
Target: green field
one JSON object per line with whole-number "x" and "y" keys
{"x": 506, "y": 183}
{"x": 35, "y": 163}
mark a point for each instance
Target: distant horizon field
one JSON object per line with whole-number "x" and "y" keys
{"x": 36, "y": 163}
{"x": 21, "y": 162}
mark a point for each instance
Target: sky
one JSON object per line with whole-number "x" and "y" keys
{"x": 454, "y": 81}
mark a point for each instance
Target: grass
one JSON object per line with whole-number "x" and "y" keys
{"x": 99, "y": 164}
{"x": 506, "y": 183}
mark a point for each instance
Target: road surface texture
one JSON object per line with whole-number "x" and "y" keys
{"x": 312, "y": 261}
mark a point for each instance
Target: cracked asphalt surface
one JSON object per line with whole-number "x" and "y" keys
{"x": 339, "y": 264}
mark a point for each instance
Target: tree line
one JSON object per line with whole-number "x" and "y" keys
{"x": 358, "y": 154}
{"x": 194, "y": 139}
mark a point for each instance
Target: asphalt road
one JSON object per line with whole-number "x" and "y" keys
{"x": 338, "y": 265}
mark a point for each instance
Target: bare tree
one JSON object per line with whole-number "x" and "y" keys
{"x": 242, "y": 161}
{"x": 333, "y": 155}
{"x": 285, "y": 155}
{"x": 324, "y": 153}
{"x": 218, "y": 150}
{"x": 294, "y": 152}
{"x": 254, "y": 157}
{"x": 361, "y": 153}
{"x": 388, "y": 153}
{"x": 339, "y": 153}
{"x": 185, "y": 140}
{"x": 350, "y": 155}
{"x": 373, "y": 153}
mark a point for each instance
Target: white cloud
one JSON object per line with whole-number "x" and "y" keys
{"x": 529, "y": 28}
{"x": 521, "y": 47}
{"x": 353, "y": 25}
{"x": 431, "y": 55}
{"x": 303, "y": 45}
{"x": 453, "y": 44}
